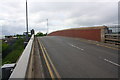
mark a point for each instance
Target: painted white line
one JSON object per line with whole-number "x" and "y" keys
{"x": 80, "y": 48}
{"x": 75, "y": 46}
{"x": 112, "y": 62}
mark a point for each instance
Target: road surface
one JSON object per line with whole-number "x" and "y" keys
{"x": 74, "y": 58}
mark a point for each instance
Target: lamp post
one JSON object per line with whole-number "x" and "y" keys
{"x": 46, "y": 20}
{"x": 26, "y": 22}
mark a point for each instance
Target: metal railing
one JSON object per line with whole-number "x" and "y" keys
{"x": 112, "y": 38}
{"x": 113, "y": 35}
{"x": 22, "y": 64}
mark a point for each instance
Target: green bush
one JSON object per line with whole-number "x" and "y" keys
{"x": 0, "y": 46}
{"x": 4, "y": 46}
{"x": 17, "y": 49}
{"x": 40, "y": 34}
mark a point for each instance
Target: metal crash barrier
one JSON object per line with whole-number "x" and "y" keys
{"x": 22, "y": 64}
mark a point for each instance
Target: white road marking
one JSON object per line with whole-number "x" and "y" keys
{"x": 75, "y": 46}
{"x": 112, "y": 62}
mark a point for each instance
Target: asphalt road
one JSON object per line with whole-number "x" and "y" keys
{"x": 74, "y": 58}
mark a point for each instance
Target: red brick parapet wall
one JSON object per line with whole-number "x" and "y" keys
{"x": 90, "y": 33}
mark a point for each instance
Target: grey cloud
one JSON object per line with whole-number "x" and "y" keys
{"x": 60, "y": 15}
{"x": 10, "y": 30}
{"x": 95, "y": 15}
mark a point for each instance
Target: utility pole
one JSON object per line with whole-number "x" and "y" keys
{"x": 26, "y": 21}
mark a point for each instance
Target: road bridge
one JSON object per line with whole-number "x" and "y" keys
{"x": 65, "y": 57}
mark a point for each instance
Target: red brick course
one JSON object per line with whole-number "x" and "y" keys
{"x": 90, "y": 34}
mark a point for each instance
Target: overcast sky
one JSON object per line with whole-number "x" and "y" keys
{"x": 61, "y": 14}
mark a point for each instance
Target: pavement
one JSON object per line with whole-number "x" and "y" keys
{"x": 77, "y": 58}
{"x": 35, "y": 67}
{"x": 37, "y": 64}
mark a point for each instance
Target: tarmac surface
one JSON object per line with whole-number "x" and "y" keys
{"x": 79, "y": 58}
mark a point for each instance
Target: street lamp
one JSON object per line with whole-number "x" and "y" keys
{"x": 26, "y": 21}
{"x": 43, "y": 20}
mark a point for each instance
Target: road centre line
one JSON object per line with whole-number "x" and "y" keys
{"x": 75, "y": 46}
{"x": 112, "y": 62}
{"x": 99, "y": 56}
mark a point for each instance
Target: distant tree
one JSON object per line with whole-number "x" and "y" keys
{"x": 19, "y": 35}
{"x": 40, "y": 34}
{"x": 45, "y": 34}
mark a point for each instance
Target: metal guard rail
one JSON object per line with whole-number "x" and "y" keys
{"x": 22, "y": 64}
